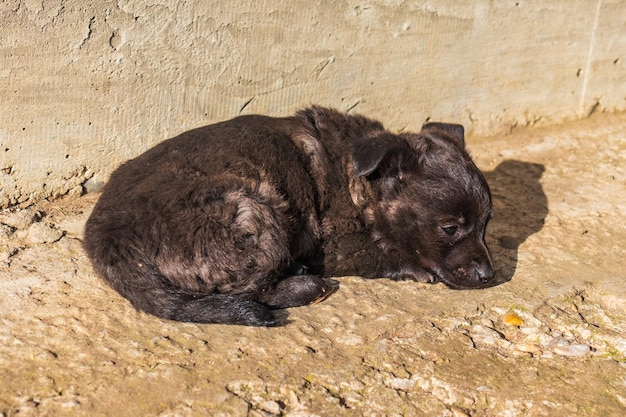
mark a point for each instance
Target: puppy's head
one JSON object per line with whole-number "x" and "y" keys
{"x": 430, "y": 201}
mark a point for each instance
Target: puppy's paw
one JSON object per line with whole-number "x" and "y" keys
{"x": 330, "y": 286}
{"x": 298, "y": 290}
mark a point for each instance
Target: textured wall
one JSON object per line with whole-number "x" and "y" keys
{"x": 83, "y": 88}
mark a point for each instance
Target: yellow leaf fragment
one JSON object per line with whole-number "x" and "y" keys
{"x": 512, "y": 319}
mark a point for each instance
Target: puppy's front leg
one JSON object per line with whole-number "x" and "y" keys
{"x": 412, "y": 273}
{"x": 358, "y": 254}
{"x": 352, "y": 254}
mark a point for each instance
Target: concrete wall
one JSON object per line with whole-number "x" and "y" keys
{"x": 82, "y": 88}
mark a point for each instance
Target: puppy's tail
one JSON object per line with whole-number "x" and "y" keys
{"x": 188, "y": 306}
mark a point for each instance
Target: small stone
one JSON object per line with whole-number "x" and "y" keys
{"x": 44, "y": 233}
{"x": 402, "y": 384}
{"x": 6, "y": 253}
{"x": 294, "y": 401}
{"x": 93, "y": 186}
{"x": 350, "y": 339}
{"x": 584, "y": 333}
{"x": 21, "y": 219}
{"x": 484, "y": 335}
{"x": 46, "y": 355}
{"x": 560, "y": 342}
{"x": 527, "y": 347}
{"x": 530, "y": 330}
{"x": 528, "y": 319}
{"x": 6, "y": 231}
{"x": 458, "y": 411}
{"x": 499, "y": 310}
{"x": 572, "y": 350}
{"x": 72, "y": 227}
{"x": 352, "y": 399}
{"x": 487, "y": 322}
{"x": 70, "y": 404}
{"x": 545, "y": 339}
{"x": 271, "y": 407}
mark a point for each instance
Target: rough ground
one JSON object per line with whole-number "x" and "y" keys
{"x": 549, "y": 341}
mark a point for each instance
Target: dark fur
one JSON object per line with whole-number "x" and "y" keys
{"x": 220, "y": 223}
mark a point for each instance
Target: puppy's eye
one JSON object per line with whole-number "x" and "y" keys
{"x": 449, "y": 230}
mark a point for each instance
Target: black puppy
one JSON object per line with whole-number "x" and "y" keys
{"x": 227, "y": 222}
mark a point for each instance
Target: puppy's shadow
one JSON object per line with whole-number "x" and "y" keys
{"x": 520, "y": 207}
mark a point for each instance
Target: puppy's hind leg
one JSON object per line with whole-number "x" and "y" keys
{"x": 148, "y": 290}
{"x": 220, "y": 308}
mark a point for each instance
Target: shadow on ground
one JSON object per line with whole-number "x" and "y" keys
{"x": 520, "y": 207}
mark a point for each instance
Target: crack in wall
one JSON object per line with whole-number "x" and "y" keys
{"x": 587, "y": 70}
{"x": 87, "y": 36}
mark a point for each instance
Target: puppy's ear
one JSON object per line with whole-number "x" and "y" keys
{"x": 381, "y": 155}
{"x": 447, "y": 130}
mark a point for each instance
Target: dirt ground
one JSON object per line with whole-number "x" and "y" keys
{"x": 549, "y": 341}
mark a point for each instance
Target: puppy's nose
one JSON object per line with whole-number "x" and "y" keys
{"x": 485, "y": 273}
